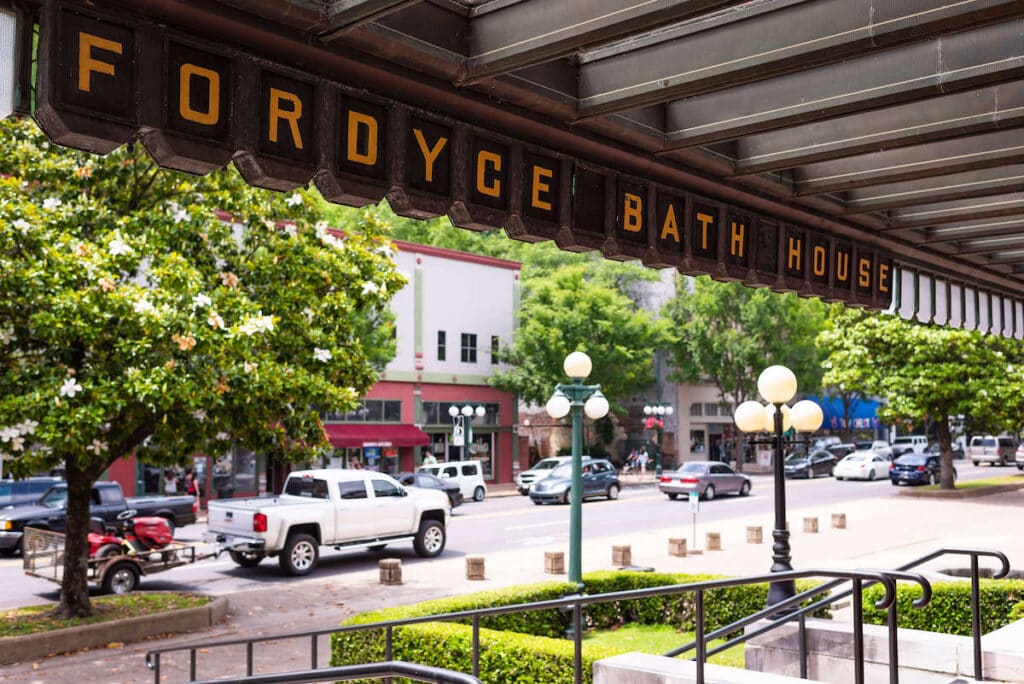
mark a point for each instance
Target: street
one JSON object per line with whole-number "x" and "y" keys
{"x": 502, "y": 524}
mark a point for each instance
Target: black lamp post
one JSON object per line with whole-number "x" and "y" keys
{"x": 658, "y": 411}
{"x": 777, "y": 384}
{"x": 462, "y": 419}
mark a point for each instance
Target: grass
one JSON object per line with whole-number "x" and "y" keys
{"x": 987, "y": 482}
{"x": 35, "y": 619}
{"x": 658, "y": 639}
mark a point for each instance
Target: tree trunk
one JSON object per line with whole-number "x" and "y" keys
{"x": 946, "y": 480}
{"x": 74, "y": 590}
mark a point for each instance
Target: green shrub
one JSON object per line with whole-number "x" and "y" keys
{"x": 528, "y": 647}
{"x": 950, "y": 609}
{"x": 1017, "y": 612}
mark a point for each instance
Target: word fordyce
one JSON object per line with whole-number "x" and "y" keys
{"x": 105, "y": 79}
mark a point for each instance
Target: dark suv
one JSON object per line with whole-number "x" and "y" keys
{"x": 916, "y": 469}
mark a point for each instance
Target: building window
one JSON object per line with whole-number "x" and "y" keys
{"x": 710, "y": 409}
{"x": 725, "y": 409}
{"x": 494, "y": 349}
{"x": 696, "y": 409}
{"x": 441, "y": 344}
{"x": 368, "y": 411}
{"x": 468, "y": 348}
{"x": 697, "y": 441}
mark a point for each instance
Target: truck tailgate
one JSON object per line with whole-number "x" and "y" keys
{"x": 234, "y": 516}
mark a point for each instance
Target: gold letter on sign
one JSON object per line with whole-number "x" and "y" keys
{"x": 355, "y": 120}
{"x": 842, "y": 267}
{"x": 482, "y": 160}
{"x": 864, "y": 272}
{"x": 632, "y": 212}
{"x": 793, "y": 261}
{"x": 736, "y": 243}
{"x": 883, "y": 277}
{"x": 86, "y": 63}
{"x": 429, "y": 155}
{"x": 541, "y": 176}
{"x": 704, "y": 219}
{"x": 669, "y": 228}
{"x": 207, "y": 118}
{"x": 292, "y": 116}
{"x": 818, "y": 260}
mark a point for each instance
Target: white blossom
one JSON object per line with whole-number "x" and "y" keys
{"x": 17, "y": 443}
{"x": 308, "y": 313}
{"x": 9, "y": 433}
{"x": 370, "y": 287}
{"x": 143, "y": 306}
{"x": 51, "y": 203}
{"x": 180, "y": 215}
{"x": 27, "y": 427}
{"x": 257, "y": 324}
{"x": 70, "y": 388}
{"x": 291, "y": 230}
{"x": 294, "y": 200}
{"x": 97, "y": 447}
{"x": 248, "y": 367}
{"x": 321, "y": 229}
{"x": 201, "y": 301}
{"x": 22, "y": 225}
{"x": 200, "y": 415}
{"x": 214, "y": 320}
{"x": 222, "y": 436}
{"x": 119, "y": 247}
{"x": 322, "y": 355}
{"x": 7, "y": 335}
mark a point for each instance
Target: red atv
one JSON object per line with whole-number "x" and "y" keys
{"x": 130, "y": 536}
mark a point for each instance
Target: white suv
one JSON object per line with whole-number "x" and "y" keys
{"x": 539, "y": 471}
{"x": 906, "y": 444}
{"x": 467, "y": 474}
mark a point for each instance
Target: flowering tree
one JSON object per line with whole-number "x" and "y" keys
{"x": 150, "y": 312}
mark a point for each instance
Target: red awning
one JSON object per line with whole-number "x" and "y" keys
{"x": 376, "y": 435}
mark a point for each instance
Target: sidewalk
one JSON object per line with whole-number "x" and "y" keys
{"x": 875, "y": 537}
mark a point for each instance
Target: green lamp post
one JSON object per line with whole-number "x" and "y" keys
{"x": 577, "y": 399}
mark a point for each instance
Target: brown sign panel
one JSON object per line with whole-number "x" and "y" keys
{"x": 101, "y": 72}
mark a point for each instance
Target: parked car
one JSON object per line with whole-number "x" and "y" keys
{"x": 916, "y": 469}
{"x": 1020, "y": 457}
{"x": 826, "y": 442}
{"x": 840, "y": 450}
{"x": 428, "y": 481}
{"x": 539, "y": 471}
{"x": 958, "y": 451}
{"x": 819, "y": 462}
{"x": 909, "y": 443}
{"x": 106, "y": 501}
{"x": 469, "y": 475}
{"x": 878, "y": 446}
{"x": 599, "y": 479}
{"x": 25, "y": 491}
{"x": 707, "y": 478}
{"x": 992, "y": 450}
{"x": 864, "y": 464}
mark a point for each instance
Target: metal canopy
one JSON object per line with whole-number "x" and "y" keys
{"x": 894, "y": 122}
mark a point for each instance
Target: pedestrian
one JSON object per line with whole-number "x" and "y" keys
{"x": 170, "y": 482}
{"x": 642, "y": 459}
{"x": 357, "y": 464}
{"x": 429, "y": 459}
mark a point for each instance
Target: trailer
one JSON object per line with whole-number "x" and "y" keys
{"x": 43, "y": 556}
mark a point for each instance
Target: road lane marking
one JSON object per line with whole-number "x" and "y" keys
{"x": 544, "y": 524}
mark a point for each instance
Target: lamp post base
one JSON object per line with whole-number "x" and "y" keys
{"x": 784, "y": 589}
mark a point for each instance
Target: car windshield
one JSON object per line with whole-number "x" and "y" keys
{"x": 855, "y": 457}
{"x": 55, "y": 498}
{"x": 426, "y": 479}
{"x": 796, "y": 458}
{"x": 691, "y": 468}
{"x": 911, "y": 460}
{"x": 563, "y": 470}
{"x": 864, "y": 446}
{"x": 546, "y": 465}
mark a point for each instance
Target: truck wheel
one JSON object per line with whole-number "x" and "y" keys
{"x": 300, "y": 555}
{"x": 430, "y": 539}
{"x": 121, "y": 578}
{"x": 246, "y": 559}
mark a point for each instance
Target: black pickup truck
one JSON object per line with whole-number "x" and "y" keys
{"x": 107, "y": 501}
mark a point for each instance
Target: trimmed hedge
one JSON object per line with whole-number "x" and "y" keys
{"x": 1017, "y": 612}
{"x": 530, "y": 647}
{"x": 950, "y": 609}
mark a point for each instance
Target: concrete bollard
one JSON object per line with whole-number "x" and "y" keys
{"x": 714, "y": 541}
{"x": 390, "y": 570}
{"x": 811, "y": 525}
{"x": 677, "y": 547}
{"x": 839, "y": 521}
{"x": 474, "y": 567}
{"x": 554, "y": 562}
{"x": 622, "y": 555}
{"x": 755, "y": 534}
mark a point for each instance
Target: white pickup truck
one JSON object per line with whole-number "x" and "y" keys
{"x": 332, "y": 507}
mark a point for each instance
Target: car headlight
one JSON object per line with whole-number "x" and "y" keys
{"x": 6, "y": 525}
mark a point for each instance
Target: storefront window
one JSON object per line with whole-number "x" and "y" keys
{"x": 245, "y": 471}
{"x": 482, "y": 449}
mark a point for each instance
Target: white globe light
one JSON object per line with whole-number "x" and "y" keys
{"x": 467, "y": 410}
{"x": 749, "y": 416}
{"x": 596, "y": 406}
{"x": 648, "y": 410}
{"x": 480, "y": 411}
{"x": 558, "y": 405}
{"x": 577, "y": 365}
{"x": 453, "y": 410}
{"x": 777, "y": 384}
{"x": 769, "y": 418}
{"x": 669, "y": 410}
{"x": 807, "y": 416}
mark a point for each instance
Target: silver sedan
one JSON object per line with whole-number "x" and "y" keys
{"x": 707, "y": 478}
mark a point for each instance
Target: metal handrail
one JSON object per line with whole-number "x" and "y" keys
{"x": 390, "y": 668}
{"x": 801, "y": 613}
{"x": 576, "y": 603}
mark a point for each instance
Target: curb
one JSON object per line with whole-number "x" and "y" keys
{"x": 33, "y": 646}
{"x": 963, "y": 493}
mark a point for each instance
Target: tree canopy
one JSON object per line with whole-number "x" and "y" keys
{"x": 144, "y": 311}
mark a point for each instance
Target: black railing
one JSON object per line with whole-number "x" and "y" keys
{"x": 575, "y": 604}
{"x": 344, "y": 673}
{"x": 795, "y": 611}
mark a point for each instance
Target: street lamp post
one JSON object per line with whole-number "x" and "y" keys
{"x": 658, "y": 411}
{"x": 777, "y": 385}
{"x": 577, "y": 398}
{"x": 462, "y": 419}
